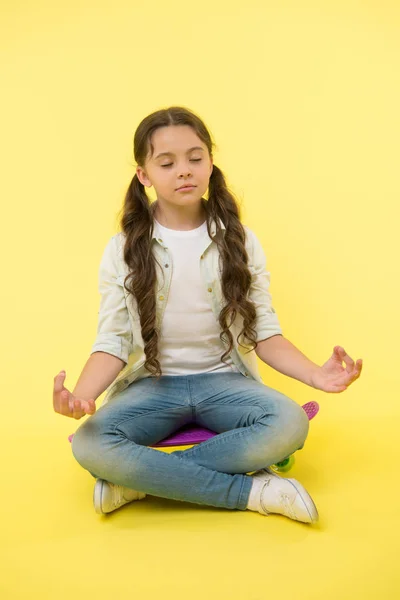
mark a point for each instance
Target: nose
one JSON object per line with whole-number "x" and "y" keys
{"x": 184, "y": 170}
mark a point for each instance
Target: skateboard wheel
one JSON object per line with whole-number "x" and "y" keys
{"x": 284, "y": 465}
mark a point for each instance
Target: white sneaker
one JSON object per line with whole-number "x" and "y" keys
{"x": 284, "y": 496}
{"x": 108, "y": 496}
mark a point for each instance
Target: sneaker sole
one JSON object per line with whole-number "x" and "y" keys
{"x": 307, "y": 500}
{"x": 97, "y": 496}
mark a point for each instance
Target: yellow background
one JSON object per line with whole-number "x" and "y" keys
{"x": 302, "y": 100}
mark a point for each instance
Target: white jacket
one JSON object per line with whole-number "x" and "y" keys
{"x": 119, "y": 331}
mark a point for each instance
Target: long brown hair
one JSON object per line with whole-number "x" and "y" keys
{"x": 137, "y": 223}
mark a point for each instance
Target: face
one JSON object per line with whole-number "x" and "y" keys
{"x": 178, "y": 164}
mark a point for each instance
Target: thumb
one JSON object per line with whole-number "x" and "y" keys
{"x": 59, "y": 381}
{"x": 62, "y": 375}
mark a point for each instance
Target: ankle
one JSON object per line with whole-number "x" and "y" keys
{"x": 253, "y": 502}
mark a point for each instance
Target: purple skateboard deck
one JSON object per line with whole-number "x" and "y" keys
{"x": 190, "y": 434}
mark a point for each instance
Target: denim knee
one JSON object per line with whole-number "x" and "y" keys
{"x": 297, "y": 425}
{"x": 81, "y": 446}
{"x": 304, "y": 425}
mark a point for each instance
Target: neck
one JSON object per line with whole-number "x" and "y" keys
{"x": 180, "y": 218}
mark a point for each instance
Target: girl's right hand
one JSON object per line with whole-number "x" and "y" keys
{"x": 67, "y": 404}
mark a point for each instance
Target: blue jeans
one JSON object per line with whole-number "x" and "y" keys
{"x": 257, "y": 426}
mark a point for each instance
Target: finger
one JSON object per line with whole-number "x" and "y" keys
{"x": 355, "y": 374}
{"x": 89, "y": 407}
{"x": 348, "y": 378}
{"x": 339, "y": 386}
{"x": 64, "y": 403}
{"x": 346, "y": 358}
{"x": 358, "y": 369}
{"x": 59, "y": 381}
{"x": 81, "y": 410}
{"x": 76, "y": 409}
{"x": 345, "y": 379}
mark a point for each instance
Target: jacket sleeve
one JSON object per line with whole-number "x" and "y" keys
{"x": 114, "y": 333}
{"x": 267, "y": 323}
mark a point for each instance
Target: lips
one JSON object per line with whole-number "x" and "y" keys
{"x": 186, "y": 186}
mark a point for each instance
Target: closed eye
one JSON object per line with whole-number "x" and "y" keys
{"x": 192, "y": 160}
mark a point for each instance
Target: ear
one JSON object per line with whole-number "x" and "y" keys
{"x": 143, "y": 177}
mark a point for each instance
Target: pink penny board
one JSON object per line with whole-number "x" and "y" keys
{"x": 194, "y": 434}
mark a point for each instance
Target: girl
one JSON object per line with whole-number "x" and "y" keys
{"x": 179, "y": 285}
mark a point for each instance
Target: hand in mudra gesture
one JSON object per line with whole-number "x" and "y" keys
{"x": 65, "y": 403}
{"x": 332, "y": 376}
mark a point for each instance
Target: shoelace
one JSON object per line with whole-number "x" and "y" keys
{"x": 116, "y": 494}
{"x": 285, "y": 499}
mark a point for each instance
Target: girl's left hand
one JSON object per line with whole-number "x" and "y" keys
{"x": 332, "y": 376}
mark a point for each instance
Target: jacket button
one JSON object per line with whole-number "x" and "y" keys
{"x": 126, "y": 380}
{"x": 166, "y": 266}
{"x": 210, "y": 289}
{"x": 202, "y": 256}
{"x": 246, "y": 373}
{"x": 161, "y": 297}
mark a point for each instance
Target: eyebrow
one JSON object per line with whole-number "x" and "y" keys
{"x": 172, "y": 154}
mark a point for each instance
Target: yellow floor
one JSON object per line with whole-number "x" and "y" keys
{"x": 54, "y": 545}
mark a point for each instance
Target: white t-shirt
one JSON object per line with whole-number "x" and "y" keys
{"x": 189, "y": 342}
